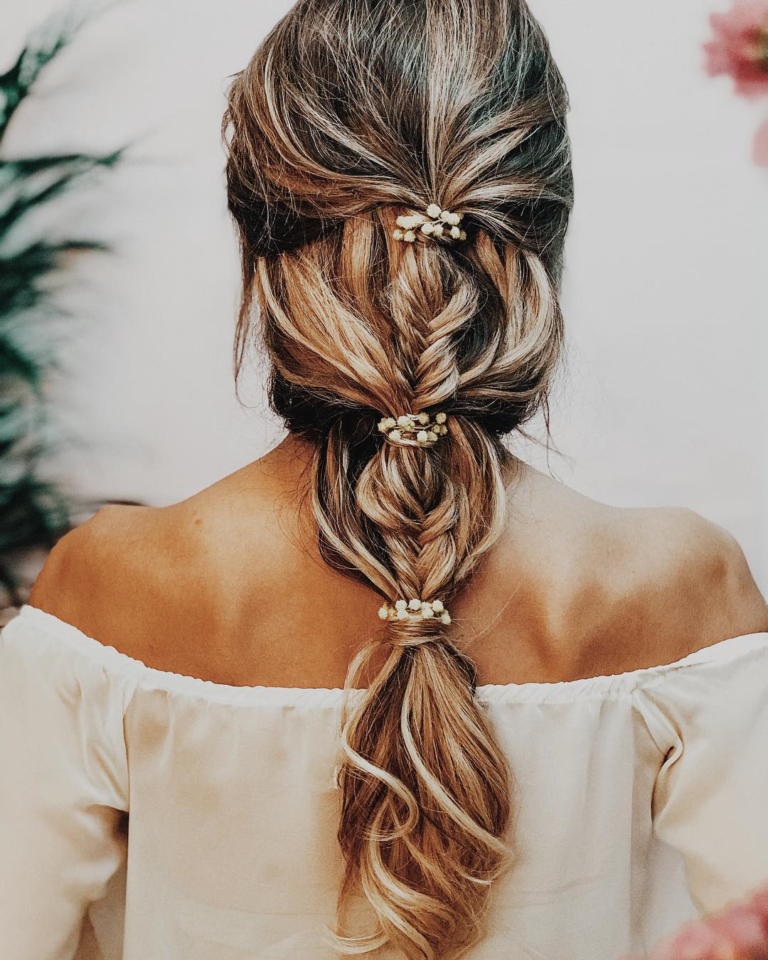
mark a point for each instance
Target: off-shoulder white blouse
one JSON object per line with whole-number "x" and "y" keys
{"x": 641, "y": 798}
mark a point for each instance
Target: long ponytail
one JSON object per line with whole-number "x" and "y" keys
{"x": 352, "y": 113}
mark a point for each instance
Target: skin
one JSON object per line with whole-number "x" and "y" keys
{"x": 228, "y": 585}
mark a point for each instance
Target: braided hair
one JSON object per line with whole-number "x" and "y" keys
{"x": 351, "y": 115}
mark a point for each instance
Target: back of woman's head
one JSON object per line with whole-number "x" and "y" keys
{"x": 352, "y": 114}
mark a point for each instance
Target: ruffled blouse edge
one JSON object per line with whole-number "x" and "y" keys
{"x": 602, "y": 687}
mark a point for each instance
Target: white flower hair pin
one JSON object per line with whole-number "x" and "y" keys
{"x": 415, "y": 610}
{"x": 436, "y": 223}
{"x": 414, "y": 429}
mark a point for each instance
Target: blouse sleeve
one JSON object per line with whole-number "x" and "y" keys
{"x": 710, "y": 802}
{"x": 63, "y": 790}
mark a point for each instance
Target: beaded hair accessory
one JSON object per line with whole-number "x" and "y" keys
{"x": 437, "y": 223}
{"x": 415, "y": 610}
{"x": 414, "y": 429}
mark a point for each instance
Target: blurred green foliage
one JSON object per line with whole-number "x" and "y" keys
{"x": 33, "y": 511}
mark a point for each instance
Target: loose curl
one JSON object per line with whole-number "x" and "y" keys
{"x": 351, "y": 113}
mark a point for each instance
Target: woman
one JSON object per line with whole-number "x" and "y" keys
{"x": 563, "y": 705}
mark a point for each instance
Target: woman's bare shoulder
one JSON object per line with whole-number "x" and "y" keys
{"x": 625, "y": 588}
{"x": 172, "y": 586}
{"x": 679, "y": 582}
{"x": 696, "y": 583}
{"x": 141, "y": 550}
{"x": 142, "y": 580}
{"x": 702, "y": 564}
{"x": 603, "y": 589}
{"x": 109, "y": 561}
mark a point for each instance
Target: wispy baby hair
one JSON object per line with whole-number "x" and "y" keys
{"x": 352, "y": 114}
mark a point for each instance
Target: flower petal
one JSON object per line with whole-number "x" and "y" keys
{"x": 760, "y": 154}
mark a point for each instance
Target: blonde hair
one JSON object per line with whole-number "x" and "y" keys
{"x": 353, "y": 113}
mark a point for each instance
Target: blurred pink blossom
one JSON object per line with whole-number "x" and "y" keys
{"x": 740, "y": 47}
{"x": 738, "y": 932}
{"x": 761, "y": 145}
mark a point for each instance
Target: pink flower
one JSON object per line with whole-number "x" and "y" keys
{"x": 760, "y": 152}
{"x": 759, "y": 902}
{"x": 743, "y": 930}
{"x": 738, "y": 932}
{"x": 740, "y": 47}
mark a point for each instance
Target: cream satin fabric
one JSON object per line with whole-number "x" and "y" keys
{"x": 640, "y": 798}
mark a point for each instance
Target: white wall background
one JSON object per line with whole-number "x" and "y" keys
{"x": 666, "y": 395}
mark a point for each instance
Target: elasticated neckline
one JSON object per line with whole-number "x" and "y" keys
{"x": 608, "y": 686}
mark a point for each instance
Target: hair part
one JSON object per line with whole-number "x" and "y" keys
{"x": 351, "y": 113}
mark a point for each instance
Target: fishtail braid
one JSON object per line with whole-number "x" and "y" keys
{"x": 350, "y": 115}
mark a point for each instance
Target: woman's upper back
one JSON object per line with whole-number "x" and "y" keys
{"x": 108, "y": 709}
{"x": 229, "y": 586}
